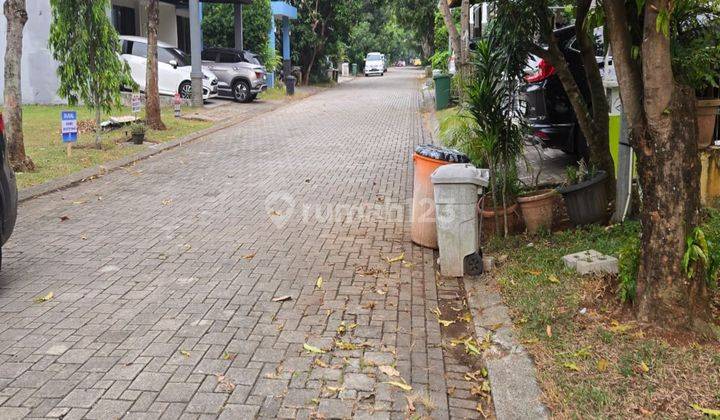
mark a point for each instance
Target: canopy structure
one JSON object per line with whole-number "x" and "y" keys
{"x": 286, "y": 12}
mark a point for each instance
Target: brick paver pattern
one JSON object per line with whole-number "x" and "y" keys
{"x": 163, "y": 276}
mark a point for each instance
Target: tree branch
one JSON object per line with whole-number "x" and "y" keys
{"x": 628, "y": 72}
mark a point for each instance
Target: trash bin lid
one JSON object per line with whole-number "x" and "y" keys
{"x": 441, "y": 153}
{"x": 460, "y": 173}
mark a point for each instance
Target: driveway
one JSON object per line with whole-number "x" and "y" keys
{"x": 246, "y": 274}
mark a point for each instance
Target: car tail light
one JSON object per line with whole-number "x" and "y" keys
{"x": 545, "y": 70}
{"x": 541, "y": 135}
{"x": 259, "y": 74}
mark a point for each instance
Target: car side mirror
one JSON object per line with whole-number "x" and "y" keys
{"x": 173, "y": 63}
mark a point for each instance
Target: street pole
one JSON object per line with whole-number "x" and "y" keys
{"x": 196, "y": 75}
{"x": 239, "y": 36}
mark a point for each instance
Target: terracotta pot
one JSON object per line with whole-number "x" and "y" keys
{"x": 706, "y": 115}
{"x": 537, "y": 209}
{"x": 487, "y": 219}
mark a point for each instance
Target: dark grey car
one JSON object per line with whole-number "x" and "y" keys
{"x": 8, "y": 193}
{"x": 241, "y": 75}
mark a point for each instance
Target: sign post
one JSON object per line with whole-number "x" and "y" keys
{"x": 177, "y": 101}
{"x": 69, "y": 129}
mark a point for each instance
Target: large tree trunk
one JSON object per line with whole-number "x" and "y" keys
{"x": 669, "y": 171}
{"x": 663, "y": 127}
{"x": 152, "y": 92}
{"x": 16, "y": 16}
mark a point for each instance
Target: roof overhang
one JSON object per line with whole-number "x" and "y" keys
{"x": 283, "y": 9}
{"x": 456, "y": 3}
{"x": 185, "y": 2}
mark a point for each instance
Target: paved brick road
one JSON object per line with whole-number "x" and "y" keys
{"x": 160, "y": 311}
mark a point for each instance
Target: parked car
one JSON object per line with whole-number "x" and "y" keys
{"x": 241, "y": 75}
{"x": 400, "y": 63}
{"x": 173, "y": 68}
{"x": 417, "y": 62}
{"x": 548, "y": 108}
{"x": 8, "y": 193}
{"x": 374, "y": 64}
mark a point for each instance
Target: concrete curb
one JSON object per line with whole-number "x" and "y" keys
{"x": 515, "y": 390}
{"x": 100, "y": 170}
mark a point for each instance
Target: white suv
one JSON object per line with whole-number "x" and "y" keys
{"x": 173, "y": 68}
{"x": 374, "y": 64}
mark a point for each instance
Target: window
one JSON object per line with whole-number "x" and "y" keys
{"x": 209, "y": 55}
{"x": 252, "y": 58}
{"x": 374, "y": 57}
{"x": 124, "y": 20}
{"x": 183, "y": 33}
{"x": 165, "y": 56}
{"x": 139, "y": 49}
{"x": 229, "y": 57}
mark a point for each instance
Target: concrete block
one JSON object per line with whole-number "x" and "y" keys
{"x": 591, "y": 262}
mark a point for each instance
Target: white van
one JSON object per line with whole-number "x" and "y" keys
{"x": 374, "y": 64}
{"x": 173, "y": 68}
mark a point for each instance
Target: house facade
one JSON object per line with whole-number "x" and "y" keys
{"x": 39, "y": 80}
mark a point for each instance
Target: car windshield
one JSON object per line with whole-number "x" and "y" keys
{"x": 373, "y": 57}
{"x": 180, "y": 56}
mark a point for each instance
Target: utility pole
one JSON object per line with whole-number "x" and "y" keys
{"x": 196, "y": 74}
{"x": 239, "y": 36}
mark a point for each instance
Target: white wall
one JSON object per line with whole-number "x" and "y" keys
{"x": 39, "y": 80}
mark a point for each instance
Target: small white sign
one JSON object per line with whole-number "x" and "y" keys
{"x": 136, "y": 103}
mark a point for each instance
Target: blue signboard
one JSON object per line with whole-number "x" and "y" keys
{"x": 69, "y": 127}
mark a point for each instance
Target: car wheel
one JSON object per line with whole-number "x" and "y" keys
{"x": 185, "y": 90}
{"x": 241, "y": 91}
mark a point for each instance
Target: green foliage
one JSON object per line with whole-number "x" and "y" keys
{"x": 694, "y": 29}
{"x": 219, "y": 29}
{"x": 628, "y": 264}
{"x": 580, "y": 173}
{"x": 418, "y": 19}
{"x": 86, "y": 46}
{"x": 440, "y": 60}
{"x": 138, "y": 128}
{"x": 703, "y": 254}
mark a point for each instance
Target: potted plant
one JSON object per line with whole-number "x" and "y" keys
{"x": 490, "y": 130}
{"x": 138, "y": 133}
{"x": 584, "y": 194}
{"x": 695, "y": 52}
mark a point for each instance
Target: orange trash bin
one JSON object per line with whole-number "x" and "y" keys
{"x": 427, "y": 158}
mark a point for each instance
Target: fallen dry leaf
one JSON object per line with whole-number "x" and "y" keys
{"x": 319, "y": 283}
{"x": 320, "y": 363}
{"x": 64, "y": 218}
{"x": 248, "y": 256}
{"x": 313, "y": 349}
{"x": 552, "y": 278}
{"x": 410, "y": 404}
{"x": 45, "y": 298}
{"x": 275, "y": 213}
{"x": 225, "y": 383}
{"x": 185, "y": 353}
{"x": 533, "y": 272}
{"x": 282, "y": 298}
{"x": 548, "y": 330}
{"x": 445, "y": 322}
{"x": 395, "y": 259}
{"x": 401, "y": 385}
{"x": 602, "y": 365}
{"x": 167, "y": 202}
{"x": 389, "y": 370}
{"x": 229, "y": 356}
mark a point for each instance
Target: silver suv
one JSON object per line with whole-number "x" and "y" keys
{"x": 240, "y": 74}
